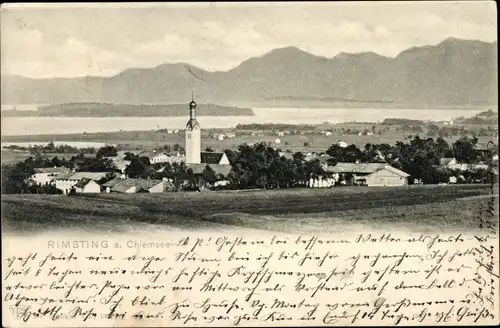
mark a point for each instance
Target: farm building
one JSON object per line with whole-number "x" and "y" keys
{"x": 87, "y": 186}
{"x": 66, "y": 181}
{"x": 132, "y": 186}
{"x": 369, "y": 174}
{"x": 46, "y": 175}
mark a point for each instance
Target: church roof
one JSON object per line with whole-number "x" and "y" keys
{"x": 211, "y": 157}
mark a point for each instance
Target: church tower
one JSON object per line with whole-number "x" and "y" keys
{"x": 193, "y": 136}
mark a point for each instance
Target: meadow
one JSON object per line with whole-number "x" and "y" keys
{"x": 140, "y": 140}
{"x": 425, "y": 208}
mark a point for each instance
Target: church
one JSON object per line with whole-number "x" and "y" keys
{"x": 195, "y": 158}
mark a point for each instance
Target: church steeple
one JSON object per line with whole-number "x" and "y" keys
{"x": 193, "y": 136}
{"x": 192, "y": 114}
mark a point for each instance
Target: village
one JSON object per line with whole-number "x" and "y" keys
{"x": 256, "y": 165}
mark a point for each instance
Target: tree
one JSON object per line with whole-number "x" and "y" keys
{"x": 14, "y": 177}
{"x": 209, "y": 149}
{"x": 89, "y": 164}
{"x": 209, "y": 175}
{"x": 177, "y": 147}
{"x": 306, "y": 144}
{"x": 464, "y": 149}
{"x": 348, "y": 154}
{"x": 139, "y": 167}
{"x": 107, "y": 151}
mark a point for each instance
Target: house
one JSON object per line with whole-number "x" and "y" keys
{"x": 342, "y": 144}
{"x": 46, "y": 175}
{"x": 121, "y": 165}
{"x": 132, "y": 186}
{"x": 66, "y": 181}
{"x": 87, "y": 186}
{"x": 452, "y": 164}
{"x": 322, "y": 182}
{"x": 221, "y": 172}
{"x": 281, "y": 134}
{"x": 208, "y": 157}
{"x": 231, "y": 135}
{"x": 154, "y": 156}
{"x": 446, "y": 161}
{"x": 370, "y": 174}
{"x": 327, "y": 133}
{"x": 277, "y": 141}
{"x": 221, "y": 136}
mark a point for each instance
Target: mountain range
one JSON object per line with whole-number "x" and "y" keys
{"x": 455, "y": 72}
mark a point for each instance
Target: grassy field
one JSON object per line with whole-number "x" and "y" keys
{"x": 130, "y": 140}
{"x": 291, "y": 210}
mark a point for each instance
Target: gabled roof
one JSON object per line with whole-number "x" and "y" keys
{"x": 150, "y": 154}
{"x": 96, "y": 176}
{"x": 146, "y": 184}
{"x": 365, "y": 168}
{"x": 484, "y": 146}
{"x": 445, "y": 160}
{"x": 122, "y": 185}
{"x": 112, "y": 182}
{"x": 82, "y": 183}
{"x": 52, "y": 170}
{"x": 211, "y": 157}
{"x": 222, "y": 169}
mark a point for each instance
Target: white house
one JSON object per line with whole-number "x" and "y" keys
{"x": 452, "y": 164}
{"x": 221, "y": 136}
{"x": 277, "y": 141}
{"x": 280, "y": 134}
{"x": 66, "y": 181}
{"x": 341, "y": 144}
{"x": 46, "y": 175}
{"x": 87, "y": 186}
{"x": 154, "y": 156}
{"x": 322, "y": 182}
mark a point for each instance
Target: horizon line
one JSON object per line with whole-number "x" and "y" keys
{"x": 257, "y": 56}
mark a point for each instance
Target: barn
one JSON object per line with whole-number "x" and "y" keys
{"x": 87, "y": 186}
{"x": 369, "y": 174}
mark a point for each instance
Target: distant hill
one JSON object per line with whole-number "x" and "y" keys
{"x": 109, "y": 109}
{"x": 452, "y": 73}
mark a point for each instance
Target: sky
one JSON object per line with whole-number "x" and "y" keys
{"x": 82, "y": 39}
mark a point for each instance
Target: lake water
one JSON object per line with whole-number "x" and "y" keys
{"x": 12, "y": 126}
{"x": 76, "y": 144}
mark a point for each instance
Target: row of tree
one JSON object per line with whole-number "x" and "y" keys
{"x": 262, "y": 166}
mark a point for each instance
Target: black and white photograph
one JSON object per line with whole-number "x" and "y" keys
{"x": 280, "y": 140}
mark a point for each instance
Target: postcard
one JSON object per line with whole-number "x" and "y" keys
{"x": 249, "y": 164}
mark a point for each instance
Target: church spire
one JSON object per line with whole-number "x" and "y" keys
{"x": 192, "y": 114}
{"x": 192, "y": 107}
